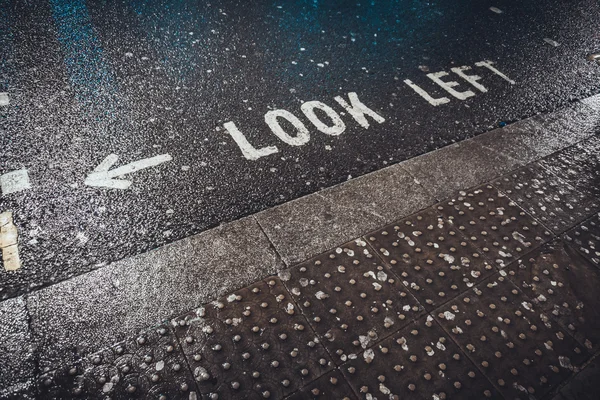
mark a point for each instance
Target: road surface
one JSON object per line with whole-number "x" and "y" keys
{"x": 129, "y": 124}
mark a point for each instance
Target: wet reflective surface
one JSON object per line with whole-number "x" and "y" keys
{"x": 339, "y": 326}
{"x": 139, "y": 79}
{"x": 126, "y": 125}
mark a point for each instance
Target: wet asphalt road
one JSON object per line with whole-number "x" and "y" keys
{"x": 141, "y": 79}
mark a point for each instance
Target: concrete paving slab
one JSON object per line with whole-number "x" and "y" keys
{"x": 494, "y": 223}
{"x": 432, "y": 258}
{"x": 562, "y": 283}
{"x": 310, "y": 225}
{"x": 555, "y": 203}
{"x": 523, "y": 141}
{"x": 516, "y": 345}
{"x": 418, "y": 362}
{"x": 571, "y": 124}
{"x": 17, "y": 365}
{"x": 585, "y": 237}
{"x": 251, "y": 344}
{"x": 102, "y": 307}
{"x": 579, "y": 165}
{"x": 458, "y": 166}
{"x": 539, "y": 136}
{"x": 351, "y": 299}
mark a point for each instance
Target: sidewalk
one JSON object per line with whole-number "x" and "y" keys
{"x": 469, "y": 272}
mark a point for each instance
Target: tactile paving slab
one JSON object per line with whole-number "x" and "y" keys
{"x": 149, "y": 366}
{"x": 432, "y": 258}
{"x": 579, "y": 165}
{"x": 585, "y": 237}
{"x": 563, "y": 283}
{"x": 494, "y": 223}
{"x": 252, "y": 344}
{"x": 558, "y": 205}
{"x": 418, "y": 362}
{"x": 351, "y": 298}
{"x": 331, "y": 386}
{"x": 520, "y": 349}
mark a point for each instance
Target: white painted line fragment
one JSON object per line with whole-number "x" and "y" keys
{"x": 4, "y": 99}
{"x": 488, "y": 64}
{"x": 358, "y": 110}
{"x": 338, "y": 126}
{"x": 302, "y": 135}
{"x": 551, "y": 42}
{"x": 9, "y": 242}
{"x": 472, "y": 79}
{"x": 355, "y": 108}
{"x": 15, "y": 181}
{"x": 250, "y": 152}
{"x": 102, "y": 177}
{"x": 425, "y": 95}
{"x": 496, "y": 10}
{"x": 448, "y": 86}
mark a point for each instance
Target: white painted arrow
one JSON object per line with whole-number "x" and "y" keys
{"x": 102, "y": 177}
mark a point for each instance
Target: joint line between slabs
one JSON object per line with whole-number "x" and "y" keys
{"x": 271, "y": 244}
{"x": 463, "y": 350}
{"x": 185, "y": 357}
{"x": 576, "y": 248}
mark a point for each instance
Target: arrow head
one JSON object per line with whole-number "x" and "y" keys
{"x": 108, "y": 162}
{"x": 103, "y": 177}
{"x": 100, "y": 178}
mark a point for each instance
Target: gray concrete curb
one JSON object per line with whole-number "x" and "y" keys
{"x": 102, "y": 307}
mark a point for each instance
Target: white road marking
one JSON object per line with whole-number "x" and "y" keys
{"x": 355, "y": 108}
{"x": 449, "y": 86}
{"x": 249, "y": 151}
{"x": 358, "y": 110}
{"x": 496, "y": 10}
{"x": 338, "y": 127}
{"x": 551, "y": 42}
{"x": 488, "y": 65}
{"x": 301, "y": 138}
{"x": 472, "y": 79}
{"x": 425, "y": 95}
{"x": 9, "y": 238}
{"x": 102, "y": 177}
{"x": 4, "y": 99}
{"x": 15, "y": 181}
{"x": 107, "y": 163}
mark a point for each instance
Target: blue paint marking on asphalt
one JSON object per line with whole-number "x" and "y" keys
{"x": 88, "y": 71}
